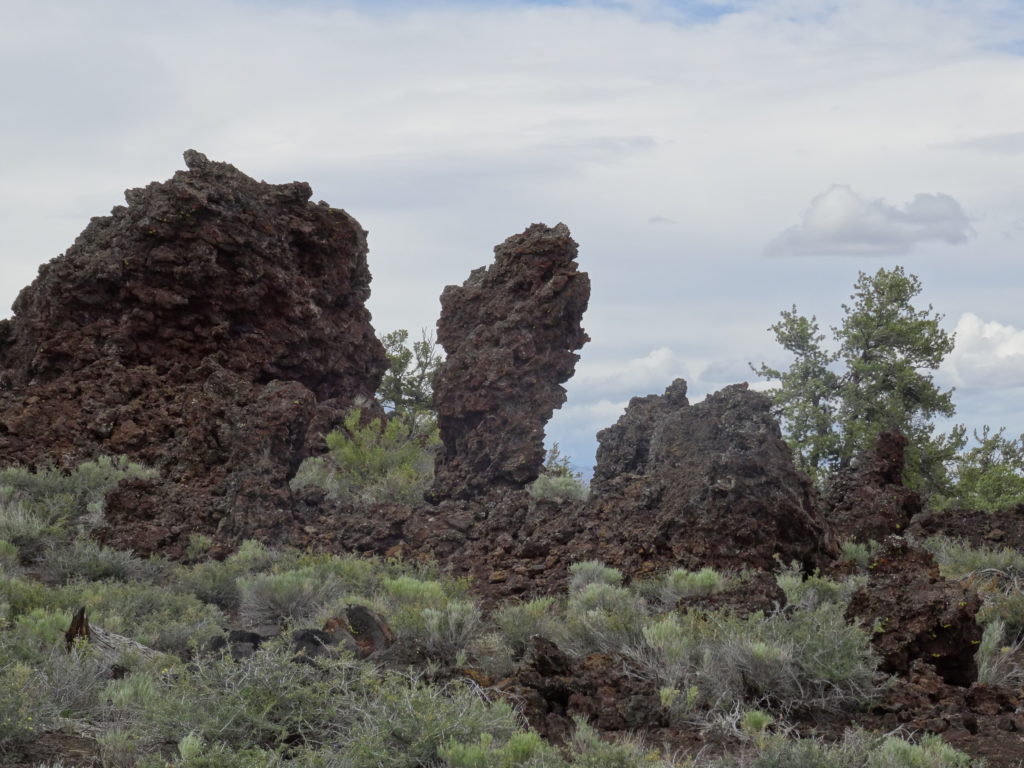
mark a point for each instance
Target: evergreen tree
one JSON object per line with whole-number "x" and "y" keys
{"x": 833, "y": 404}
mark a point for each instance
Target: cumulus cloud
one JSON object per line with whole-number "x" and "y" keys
{"x": 841, "y": 222}
{"x": 988, "y": 355}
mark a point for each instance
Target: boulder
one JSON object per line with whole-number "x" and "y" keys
{"x": 709, "y": 484}
{"x": 915, "y": 614}
{"x": 510, "y": 332}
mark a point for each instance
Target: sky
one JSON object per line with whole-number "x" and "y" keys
{"x": 717, "y": 161}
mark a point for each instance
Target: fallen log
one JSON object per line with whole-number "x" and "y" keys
{"x": 111, "y": 646}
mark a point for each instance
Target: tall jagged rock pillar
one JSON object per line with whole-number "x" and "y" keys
{"x": 511, "y": 332}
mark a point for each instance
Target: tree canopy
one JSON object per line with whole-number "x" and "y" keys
{"x": 833, "y": 403}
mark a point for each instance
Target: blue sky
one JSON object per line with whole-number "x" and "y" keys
{"x": 716, "y": 162}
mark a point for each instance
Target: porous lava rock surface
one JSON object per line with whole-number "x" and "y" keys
{"x": 869, "y": 501}
{"x": 714, "y": 482}
{"x": 915, "y": 614}
{"x": 550, "y": 688}
{"x": 511, "y": 332}
{"x": 213, "y": 328}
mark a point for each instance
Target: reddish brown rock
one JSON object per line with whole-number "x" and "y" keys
{"x": 511, "y": 332}
{"x": 550, "y": 688}
{"x": 711, "y": 483}
{"x": 213, "y": 328}
{"x": 915, "y": 614}
{"x": 869, "y": 501}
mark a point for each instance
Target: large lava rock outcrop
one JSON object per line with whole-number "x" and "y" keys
{"x": 213, "y": 328}
{"x": 711, "y": 483}
{"x": 511, "y": 332}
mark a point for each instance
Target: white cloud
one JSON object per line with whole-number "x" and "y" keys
{"x": 995, "y": 144}
{"x": 987, "y": 356}
{"x": 841, "y": 222}
{"x": 645, "y": 375}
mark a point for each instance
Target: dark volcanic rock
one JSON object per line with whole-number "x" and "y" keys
{"x": 717, "y": 487}
{"x": 713, "y": 483}
{"x": 550, "y": 688}
{"x": 213, "y": 328}
{"x": 510, "y": 333}
{"x": 869, "y": 501}
{"x": 913, "y": 613}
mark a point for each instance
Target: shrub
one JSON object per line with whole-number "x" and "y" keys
{"x": 372, "y": 463}
{"x": 602, "y": 617}
{"x": 33, "y": 634}
{"x": 490, "y": 654}
{"x": 212, "y": 582}
{"x": 814, "y": 590}
{"x": 157, "y": 616}
{"x": 592, "y": 572}
{"x": 448, "y": 630}
{"x": 26, "y": 529}
{"x": 264, "y": 701}
{"x": 85, "y": 559}
{"x": 998, "y": 655}
{"x": 587, "y": 750}
{"x": 407, "y": 724}
{"x": 24, "y": 715}
{"x": 857, "y": 749}
{"x": 8, "y": 559}
{"x": 198, "y": 545}
{"x": 957, "y": 558}
{"x": 58, "y": 495}
{"x": 860, "y": 553}
{"x": 272, "y": 598}
{"x": 559, "y": 488}
{"x": 680, "y": 583}
{"x": 518, "y": 622}
{"x": 808, "y": 659}
{"x": 522, "y": 750}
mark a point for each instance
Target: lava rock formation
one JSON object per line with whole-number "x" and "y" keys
{"x": 511, "y": 332}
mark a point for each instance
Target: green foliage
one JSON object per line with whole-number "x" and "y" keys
{"x": 602, "y": 617}
{"x": 998, "y": 656}
{"x": 989, "y": 476}
{"x": 158, "y": 616}
{"x": 814, "y": 590}
{"x": 592, "y": 572}
{"x": 957, "y": 558}
{"x": 449, "y": 630}
{"x": 406, "y": 389}
{"x": 83, "y": 558}
{"x": 518, "y": 622}
{"x": 23, "y": 716}
{"x": 293, "y": 595}
{"x": 373, "y": 462}
{"x": 680, "y": 583}
{"x": 833, "y": 404}
{"x": 558, "y": 481}
{"x": 265, "y": 701}
{"x": 857, "y": 749}
{"x": 522, "y": 750}
{"x": 8, "y": 559}
{"x": 860, "y": 553}
{"x": 56, "y": 495}
{"x": 810, "y": 658}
